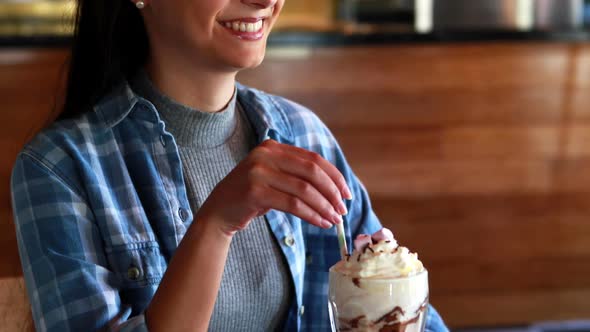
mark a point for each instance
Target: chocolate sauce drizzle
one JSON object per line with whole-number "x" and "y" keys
{"x": 357, "y": 282}
{"x": 392, "y": 316}
{"x": 391, "y": 320}
{"x": 352, "y": 324}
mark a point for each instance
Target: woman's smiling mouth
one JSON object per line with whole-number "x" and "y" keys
{"x": 245, "y": 28}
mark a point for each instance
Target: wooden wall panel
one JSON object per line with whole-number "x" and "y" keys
{"x": 478, "y": 308}
{"x": 474, "y": 154}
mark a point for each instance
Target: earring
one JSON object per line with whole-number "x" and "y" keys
{"x": 140, "y": 4}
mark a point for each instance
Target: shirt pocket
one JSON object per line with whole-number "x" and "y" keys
{"x": 139, "y": 267}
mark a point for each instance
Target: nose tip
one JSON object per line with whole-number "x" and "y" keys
{"x": 260, "y": 3}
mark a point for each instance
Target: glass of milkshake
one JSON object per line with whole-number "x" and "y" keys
{"x": 380, "y": 287}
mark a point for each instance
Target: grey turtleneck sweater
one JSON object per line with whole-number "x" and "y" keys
{"x": 256, "y": 289}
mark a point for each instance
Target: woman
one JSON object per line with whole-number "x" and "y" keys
{"x": 170, "y": 198}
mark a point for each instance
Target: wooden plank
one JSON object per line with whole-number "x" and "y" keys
{"x": 435, "y": 107}
{"x": 418, "y": 178}
{"x": 435, "y": 177}
{"x": 495, "y": 240}
{"x": 414, "y": 68}
{"x": 448, "y": 208}
{"x": 513, "y": 308}
{"x": 15, "y": 313}
{"x": 483, "y": 142}
{"x": 10, "y": 264}
{"x": 575, "y": 139}
{"x": 32, "y": 56}
{"x": 477, "y": 276}
{"x": 489, "y": 228}
{"x": 433, "y": 85}
{"x": 491, "y": 243}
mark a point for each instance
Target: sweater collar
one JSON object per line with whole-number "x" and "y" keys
{"x": 267, "y": 116}
{"x": 189, "y": 126}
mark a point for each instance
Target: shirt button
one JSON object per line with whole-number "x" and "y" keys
{"x": 183, "y": 214}
{"x": 133, "y": 273}
{"x": 301, "y": 310}
{"x": 289, "y": 241}
{"x": 162, "y": 140}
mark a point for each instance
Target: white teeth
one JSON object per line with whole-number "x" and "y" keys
{"x": 244, "y": 27}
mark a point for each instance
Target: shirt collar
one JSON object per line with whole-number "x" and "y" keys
{"x": 267, "y": 116}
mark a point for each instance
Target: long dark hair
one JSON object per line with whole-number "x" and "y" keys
{"x": 110, "y": 43}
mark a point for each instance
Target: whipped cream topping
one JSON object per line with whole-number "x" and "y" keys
{"x": 379, "y": 256}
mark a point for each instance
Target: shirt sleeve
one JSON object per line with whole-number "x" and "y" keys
{"x": 66, "y": 272}
{"x": 434, "y": 322}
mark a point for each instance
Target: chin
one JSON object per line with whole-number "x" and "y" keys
{"x": 240, "y": 56}
{"x": 246, "y": 61}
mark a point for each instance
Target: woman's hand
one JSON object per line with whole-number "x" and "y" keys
{"x": 281, "y": 177}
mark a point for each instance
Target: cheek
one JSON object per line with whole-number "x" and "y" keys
{"x": 172, "y": 24}
{"x": 195, "y": 19}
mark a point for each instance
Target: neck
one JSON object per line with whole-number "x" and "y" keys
{"x": 191, "y": 84}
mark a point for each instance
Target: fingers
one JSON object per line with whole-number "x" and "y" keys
{"x": 291, "y": 204}
{"x": 325, "y": 165}
{"x": 304, "y": 191}
{"x": 310, "y": 172}
{"x": 304, "y": 175}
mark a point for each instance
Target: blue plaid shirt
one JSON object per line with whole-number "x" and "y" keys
{"x": 100, "y": 206}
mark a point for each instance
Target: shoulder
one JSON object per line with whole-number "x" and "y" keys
{"x": 309, "y": 131}
{"x": 58, "y": 146}
{"x": 301, "y": 122}
{"x": 302, "y": 119}
{"x": 86, "y": 132}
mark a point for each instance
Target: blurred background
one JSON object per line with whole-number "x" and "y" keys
{"x": 467, "y": 120}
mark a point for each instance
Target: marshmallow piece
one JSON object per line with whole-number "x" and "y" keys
{"x": 361, "y": 241}
{"x": 383, "y": 234}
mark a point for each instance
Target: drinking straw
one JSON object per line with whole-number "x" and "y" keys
{"x": 342, "y": 239}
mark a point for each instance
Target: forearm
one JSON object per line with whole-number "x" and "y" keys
{"x": 186, "y": 295}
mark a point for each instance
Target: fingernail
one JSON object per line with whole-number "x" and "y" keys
{"x": 347, "y": 193}
{"x": 326, "y": 224}
{"x": 342, "y": 208}
{"x": 336, "y": 218}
